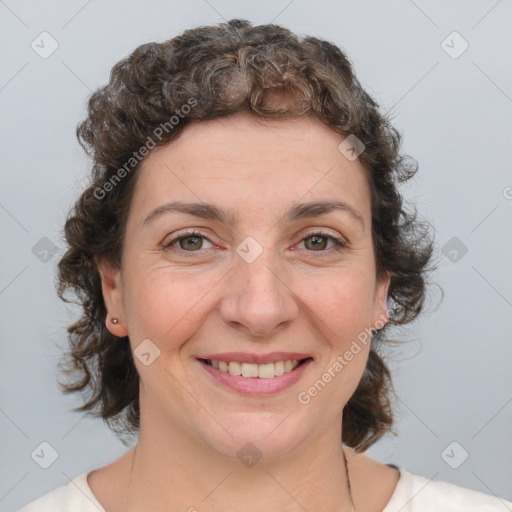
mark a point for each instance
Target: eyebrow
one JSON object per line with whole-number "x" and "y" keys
{"x": 201, "y": 210}
{"x": 209, "y": 211}
{"x": 315, "y": 209}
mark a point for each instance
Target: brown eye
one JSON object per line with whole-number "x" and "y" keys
{"x": 316, "y": 242}
{"x": 191, "y": 243}
{"x": 188, "y": 242}
{"x": 323, "y": 243}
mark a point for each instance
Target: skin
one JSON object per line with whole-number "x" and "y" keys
{"x": 291, "y": 298}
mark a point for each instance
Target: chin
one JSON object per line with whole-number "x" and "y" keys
{"x": 258, "y": 434}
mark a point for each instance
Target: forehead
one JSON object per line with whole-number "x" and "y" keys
{"x": 242, "y": 160}
{"x": 243, "y": 136}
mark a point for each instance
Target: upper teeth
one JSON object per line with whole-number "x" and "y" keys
{"x": 263, "y": 371}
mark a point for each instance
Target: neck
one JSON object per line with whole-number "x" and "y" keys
{"x": 174, "y": 470}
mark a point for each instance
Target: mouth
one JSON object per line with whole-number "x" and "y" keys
{"x": 254, "y": 370}
{"x": 252, "y": 378}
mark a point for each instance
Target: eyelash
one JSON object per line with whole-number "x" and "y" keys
{"x": 339, "y": 243}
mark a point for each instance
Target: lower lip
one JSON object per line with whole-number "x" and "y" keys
{"x": 255, "y": 385}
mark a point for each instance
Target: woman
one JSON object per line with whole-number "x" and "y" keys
{"x": 240, "y": 255}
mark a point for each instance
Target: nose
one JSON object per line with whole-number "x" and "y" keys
{"x": 257, "y": 299}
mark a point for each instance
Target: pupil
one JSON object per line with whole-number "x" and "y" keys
{"x": 318, "y": 242}
{"x": 191, "y": 242}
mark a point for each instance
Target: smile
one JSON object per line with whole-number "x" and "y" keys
{"x": 251, "y": 370}
{"x": 256, "y": 379}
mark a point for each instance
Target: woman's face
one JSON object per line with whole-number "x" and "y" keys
{"x": 239, "y": 249}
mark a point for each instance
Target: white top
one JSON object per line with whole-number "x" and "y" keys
{"x": 413, "y": 493}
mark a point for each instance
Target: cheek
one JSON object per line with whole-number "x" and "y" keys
{"x": 163, "y": 304}
{"x": 341, "y": 303}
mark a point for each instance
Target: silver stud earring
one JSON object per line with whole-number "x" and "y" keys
{"x": 115, "y": 320}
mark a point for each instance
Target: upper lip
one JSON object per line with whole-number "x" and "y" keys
{"x": 245, "y": 357}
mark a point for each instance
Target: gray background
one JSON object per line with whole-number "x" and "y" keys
{"x": 452, "y": 378}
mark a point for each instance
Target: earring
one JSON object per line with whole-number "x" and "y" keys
{"x": 115, "y": 320}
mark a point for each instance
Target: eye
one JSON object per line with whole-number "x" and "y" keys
{"x": 320, "y": 242}
{"x": 194, "y": 241}
{"x": 189, "y": 242}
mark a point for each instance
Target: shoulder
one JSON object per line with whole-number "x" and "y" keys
{"x": 416, "y": 493}
{"x": 76, "y": 496}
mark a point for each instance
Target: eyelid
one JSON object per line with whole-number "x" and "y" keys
{"x": 320, "y": 231}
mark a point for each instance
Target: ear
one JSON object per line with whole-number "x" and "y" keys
{"x": 380, "y": 314}
{"x": 113, "y": 298}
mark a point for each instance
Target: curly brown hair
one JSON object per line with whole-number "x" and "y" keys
{"x": 217, "y": 71}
